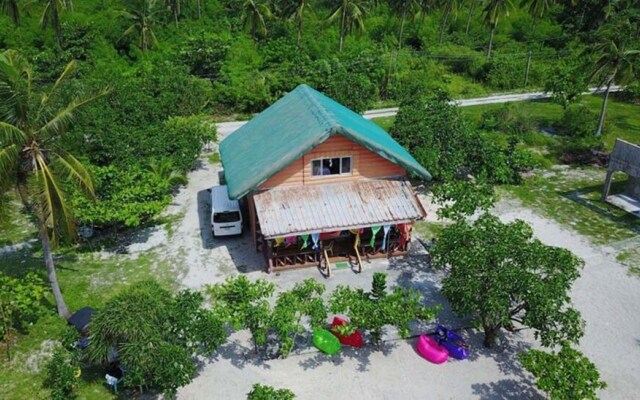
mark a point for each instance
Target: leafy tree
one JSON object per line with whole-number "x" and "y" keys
{"x": 295, "y": 11}
{"x": 304, "y": 300}
{"x": 493, "y": 11}
{"x": 156, "y": 335}
{"x": 563, "y": 375}
{"x": 566, "y": 83}
{"x": 264, "y": 392}
{"x": 244, "y": 305}
{"x": 142, "y": 16}
{"x": 51, "y": 17}
{"x": 12, "y": 9}
{"x": 20, "y": 305}
{"x": 404, "y": 9}
{"x": 616, "y": 51}
{"x": 538, "y": 8}
{"x": 353, "y": 90}
{"x": 350, "y": 14}
{"x": 255, "y": 14}
{"x": 62, "y": 374}
{"x": 498, "y": 273}
{"x": 205, "y": 55}
{"x": 31, "y": 161}
{"x": 372, "y": 311}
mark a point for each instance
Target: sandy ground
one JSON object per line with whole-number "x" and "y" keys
{"x": 605, "y": 294}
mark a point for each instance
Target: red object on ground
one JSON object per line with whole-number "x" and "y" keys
{"x": 355, "y": 339}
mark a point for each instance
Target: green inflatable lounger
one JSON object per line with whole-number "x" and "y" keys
{"x": 326, "y": 341}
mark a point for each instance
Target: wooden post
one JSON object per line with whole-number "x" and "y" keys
{"x": 252, "y": 219}
{"x": 526, "y": 74}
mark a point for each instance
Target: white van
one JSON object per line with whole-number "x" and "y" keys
{"x": 226, "y": 218}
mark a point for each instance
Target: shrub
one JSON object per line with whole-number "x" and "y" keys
{"x": 264, "y": 392}
{"x": 631, "y": 93}
{"x": 62, "y": 374}
{"x": 578, "y": 122}
{"x": 507, "y": 119}
{"x": 205, "y": 55}
{"x": 355, "y": 91}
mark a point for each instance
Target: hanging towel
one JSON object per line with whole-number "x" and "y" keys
{"x": 290, "y": 240}
{"x": 316, "y": 238}
{"x": 305, "y": 241}
{"x": 386, "y": 229}
{"x": 279, "y": 240}
{"x": 374, "y": 232}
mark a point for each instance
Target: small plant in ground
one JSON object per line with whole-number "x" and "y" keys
{"x": 62, "y": 374}
{"x": 20, "y": 305}
{"x": 264, "y": 392}
{"x": 304, "y": 300}
{"x": 563, "y": 375}
{"x": 372, "y": 311}
{"x": 244, "y": 305}
{"x": 499, "y": 274}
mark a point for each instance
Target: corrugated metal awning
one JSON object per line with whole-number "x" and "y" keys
{"x": 335, "y": 206}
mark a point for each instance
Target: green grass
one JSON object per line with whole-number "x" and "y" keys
{"x": 214, "y": 158}
{"x": 572, "y": 197}
{"x": 428, "y": 229}
{"x": 87, "y": 278}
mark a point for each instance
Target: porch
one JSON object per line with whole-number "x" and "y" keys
{"x": 321, "y": 225}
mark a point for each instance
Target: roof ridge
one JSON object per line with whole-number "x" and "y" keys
{"x": 317, "y": 109}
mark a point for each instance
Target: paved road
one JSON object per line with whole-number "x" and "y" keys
{"x": 225, "y": 128}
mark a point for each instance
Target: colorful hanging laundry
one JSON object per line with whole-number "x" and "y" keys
{"x": 315, "y": 237}
{"x": 357, "y": 233}
{"x": 305, "y": 241}
{"x": 405, "y": 233}
{"x": 279, "y": 240}
{"x": 386, "y": 229}
{"x": 374, "y": 232}
{"x": 290, "y": 240}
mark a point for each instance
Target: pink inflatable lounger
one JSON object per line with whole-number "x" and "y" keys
{"x": 431, "y": 350}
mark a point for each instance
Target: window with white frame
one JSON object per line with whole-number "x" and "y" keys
{"x": 331, "y": 166}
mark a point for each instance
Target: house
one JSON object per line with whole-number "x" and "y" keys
{"x": 322, "y": 184}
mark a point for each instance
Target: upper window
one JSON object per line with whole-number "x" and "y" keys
{"x": 331, "y": 166}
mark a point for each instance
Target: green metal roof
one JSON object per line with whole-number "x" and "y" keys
{"x": 292, "y": 126}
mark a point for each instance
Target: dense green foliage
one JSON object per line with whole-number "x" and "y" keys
{"x": 62, "y": 374}
{"x": 499, "y": 274}
{"x": 264, "y": 392}
{"x": 374, "y": 310}
{"x": 156, "y": 335}
{"x": 20, "y": 305}
{"x": 564, "y": 375}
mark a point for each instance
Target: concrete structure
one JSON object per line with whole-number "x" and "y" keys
{"x": 624, "y": 158}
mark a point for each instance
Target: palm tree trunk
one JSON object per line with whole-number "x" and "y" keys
{"x": 472, "y": 6}
{"x": 404, "y": 16}
{"x": 342, "y": 22}
{"x": 199, "y": 8}
{"x": 300, "y": 29}
{"x": 63, "y": 311}
{"x": 493, "y": 29}
{"x": 55, "y": 17}
{"x": 444, "y": 21}
{"x": 604, "y": 108}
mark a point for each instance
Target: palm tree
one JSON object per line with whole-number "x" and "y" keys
{"x": 255, "y": 15}
{"x": 492, "y": 13}
{"x": 472, "y": 7}
{"x": 351, "y": 15}
{"x": 537, "y": 9}
{"x": 449, "y": 7}
{"x": 31, "y": 161}
{"x": 295, "y": 10}
{"x": 12, "y": 9}
{"x": 51, "y": 17}
{"x": 615, "y": 61}
{"x": 174, "y": 6}
{"x": 143, "y": 20}
{"x": 404, "y": 9}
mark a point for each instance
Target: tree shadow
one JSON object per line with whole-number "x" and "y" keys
{"x": 362, "y": 355}
{"x": 506, "y": 389}
{"x": 504, "y": 353}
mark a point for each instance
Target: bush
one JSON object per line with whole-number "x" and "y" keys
{"x": 632, "y": 93}
{"x": 355, "y": 91}
{"x": 205, "y": 54}
{"x": 507, "y": 119}
{"x": 578, "y": 122}
{"x": 264, "y": 392}
{"x": 62, "y": 374}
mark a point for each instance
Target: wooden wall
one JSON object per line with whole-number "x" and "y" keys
{"x": 365, "y": 164}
